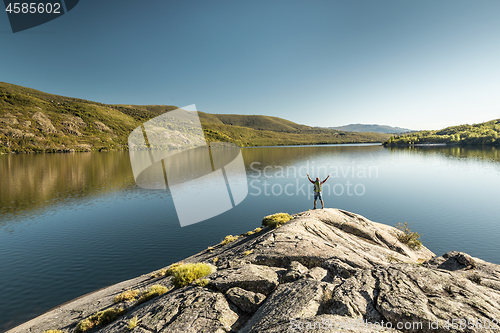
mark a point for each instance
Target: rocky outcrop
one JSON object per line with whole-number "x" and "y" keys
{"x": 44, "y": 123}
{"x": 102, "y": 127}
{"x": 324, "y": 271}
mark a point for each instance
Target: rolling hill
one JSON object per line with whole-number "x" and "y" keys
{"x": 35, "y": 121}
{"x": 486, "y": 133}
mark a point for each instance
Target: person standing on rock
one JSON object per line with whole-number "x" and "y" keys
{"x": 317, "y": 190}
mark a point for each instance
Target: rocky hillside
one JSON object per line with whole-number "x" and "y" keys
{"x": 330, "y": 268}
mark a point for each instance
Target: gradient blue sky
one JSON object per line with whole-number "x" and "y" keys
{"x": 415, "y": 64}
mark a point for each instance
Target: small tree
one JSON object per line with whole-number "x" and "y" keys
{"x": 408, "y": 237}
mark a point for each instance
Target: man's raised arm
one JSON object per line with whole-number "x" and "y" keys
{"x": 312, "y": 181}
{"x": 325, "y": 179}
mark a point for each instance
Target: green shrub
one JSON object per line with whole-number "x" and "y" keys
{"x": 276, "y": 220}
{"x": 128, "y": 295}
{"x": 152, "y": 292}
{"x": 159, "y": 273}
{"x": 172, "y": 268}
{"x": 201, "y": 283}
{"x": 408, "y": 237}
{"x": 101, "y": 318}
{"x": 257, "y": 230}
{"x": 133, "y": 323}
{"x": 187, "y": 273}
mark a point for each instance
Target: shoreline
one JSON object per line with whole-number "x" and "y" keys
{"x": 70, "y": 150}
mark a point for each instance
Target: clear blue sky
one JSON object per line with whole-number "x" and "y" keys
{"x": 422, "y": 64}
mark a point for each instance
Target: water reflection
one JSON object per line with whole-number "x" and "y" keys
{"x": 485, "y": 153}
{"x": 32, "y": 181}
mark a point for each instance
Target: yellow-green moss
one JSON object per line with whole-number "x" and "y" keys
{"x": 53, "y": 331}
{"x": 246, "y": 253}
{"x": 276, "y": 220}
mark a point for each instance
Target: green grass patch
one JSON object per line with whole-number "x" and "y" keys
{"x": 187, "y": 273}
{"x": 408, "y": 237}
{"x": 276, "y": 220}
{"x": 152, "y": 292}
{"x": 101, "y": 318}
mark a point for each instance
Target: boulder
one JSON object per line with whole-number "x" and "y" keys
{"x": 255, "y": 278}
{"x": 245, "y": 300}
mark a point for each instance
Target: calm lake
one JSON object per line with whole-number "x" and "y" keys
{"x": 74, "y": 223}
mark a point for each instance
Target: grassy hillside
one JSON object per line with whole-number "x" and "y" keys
{"x": 34, "y": 121}
{"x": 486, "y": 133}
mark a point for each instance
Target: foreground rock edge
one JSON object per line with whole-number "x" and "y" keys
{"x": 328, "y": 267}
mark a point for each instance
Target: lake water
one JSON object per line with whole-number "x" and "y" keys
{"x": 73, "y": 223}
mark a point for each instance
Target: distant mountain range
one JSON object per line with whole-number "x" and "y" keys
{"x": 371, "y": 128}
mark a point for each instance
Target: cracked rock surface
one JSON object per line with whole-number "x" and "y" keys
{"x": 324, "y": 271}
